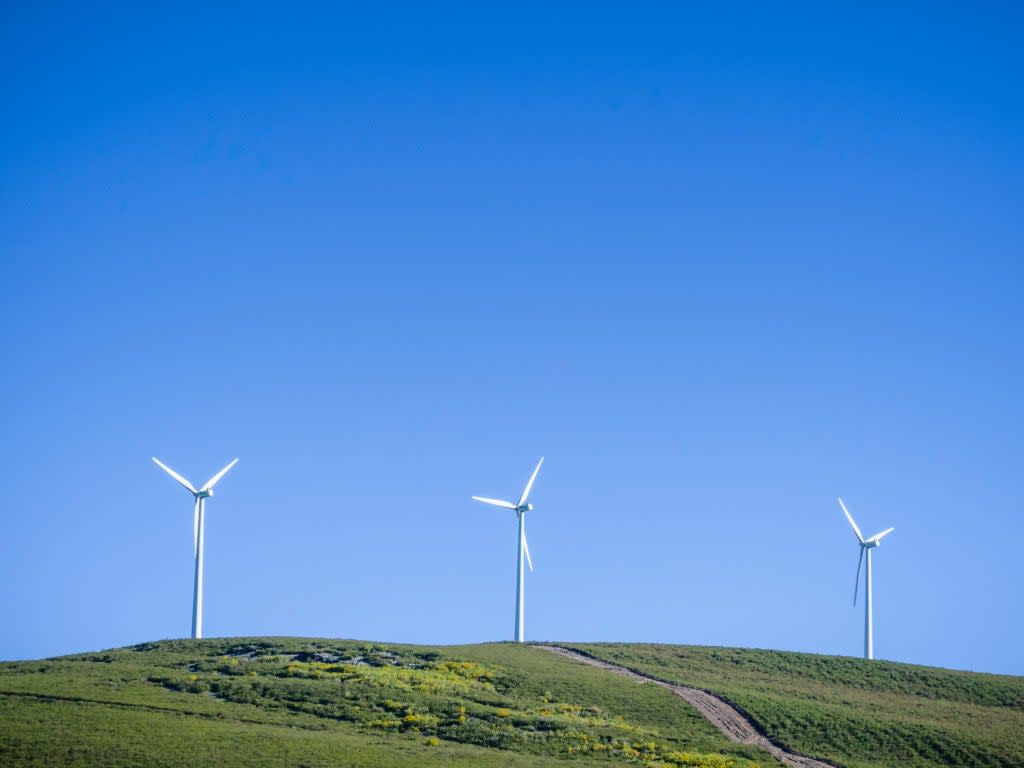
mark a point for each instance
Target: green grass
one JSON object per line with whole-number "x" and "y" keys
{"x": 310, "y": 702}
{"x": 850, "y": 711}
{"x": 290, "y": 701}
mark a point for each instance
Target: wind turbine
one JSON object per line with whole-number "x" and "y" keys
{"x": 866, "y": 545}
{"x": 522, "y": 548}
{"x": 198, "y": 527}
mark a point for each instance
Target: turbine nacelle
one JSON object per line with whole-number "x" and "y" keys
{"x": 522, "y": 505}
{"x": 207, "y": 490}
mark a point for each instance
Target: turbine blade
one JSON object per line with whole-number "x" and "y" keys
{"x": 195, "y": 530}
{"x": 526, "y": 549}
{"x": 856, "y": 582}
{"x": 878, "y": 536}
{"x": 213, "y": 480}
{"x": 496, "y": 502}
{"x": 529, "y": 485}
{"x": 856, "y": 530}
{"x": 174, "y": 474}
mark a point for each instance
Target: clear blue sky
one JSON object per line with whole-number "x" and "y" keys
{"x": 718, "y": 266}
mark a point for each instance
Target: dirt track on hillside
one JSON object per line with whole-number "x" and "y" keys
{"x": 726, "y": 718}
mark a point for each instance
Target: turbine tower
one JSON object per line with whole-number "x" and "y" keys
{"x": 198, "y": 527}
{"x": 521, "y": 546}
{"x": 866, "y": 545}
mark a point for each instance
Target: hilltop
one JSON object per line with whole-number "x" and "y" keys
{"x": 319, "y": 702}
{"x": 850, "y": 711}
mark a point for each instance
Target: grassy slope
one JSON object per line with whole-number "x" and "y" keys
{"x": 851, "y": 711}
{"x": 253, "y": 701}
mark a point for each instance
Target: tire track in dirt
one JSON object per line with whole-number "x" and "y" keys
{"x": 730, "y": 721}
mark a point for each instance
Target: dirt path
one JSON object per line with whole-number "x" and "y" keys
{"x": 736, "y": 726}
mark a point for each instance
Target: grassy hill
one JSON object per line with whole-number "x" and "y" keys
{"x": 287, "y": 701}
{"x": 849, "y": 711}
{"x": 312, "y": 702}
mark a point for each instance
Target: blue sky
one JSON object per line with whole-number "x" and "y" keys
{"x": 718, "y": 266}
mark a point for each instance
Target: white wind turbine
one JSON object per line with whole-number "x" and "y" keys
{"x": 198, "y": 528}
{"x": 521, "y": 547}
{"x": 866, "y": 545}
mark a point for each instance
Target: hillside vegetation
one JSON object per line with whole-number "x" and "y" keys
{"x": 313, "y": 702}
{"x": 849, "y": 711}
{"x": 303, "y": 702}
